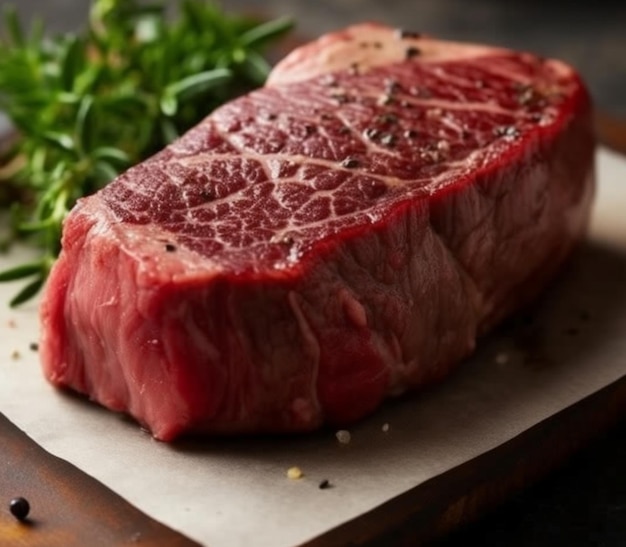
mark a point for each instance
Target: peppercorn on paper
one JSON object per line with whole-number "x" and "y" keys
{"x": 238, "y": 492}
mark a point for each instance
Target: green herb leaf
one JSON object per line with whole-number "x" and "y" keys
{"x": 59, "y": 140}
{"x": 19, "y": 272}
{"x": 266, "y": 32}
{"x": 15, "y": 34}
{"x": 85, "y": 124}
{"x": 105, "y": 172}
{"x": 71, "y": 62}
{"x": 27, "y": 292}
{"x": 256, "y": 67}
{"x": 196, "y": 84}
{"x": 112, "y": 154}
{"x": 169, "y": 104}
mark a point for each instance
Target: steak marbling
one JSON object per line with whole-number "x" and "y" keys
{"x": 339, "y": 236}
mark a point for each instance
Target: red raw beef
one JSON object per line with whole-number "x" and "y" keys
{"x": 340, "y": 236}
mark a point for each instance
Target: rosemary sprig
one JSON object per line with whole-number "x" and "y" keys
{"x": 88, "y": 105}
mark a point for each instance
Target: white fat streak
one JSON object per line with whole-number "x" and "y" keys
{"x": 453, "y": 169}
{"x": 265, "y": 159}
{"x": 341, "y": 50}
{"x": 443, "y": 104}
{"x": 559, "y": 69}
{"x": 353, "y": 309}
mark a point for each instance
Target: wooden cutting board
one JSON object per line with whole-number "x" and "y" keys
{"x": 69, "y": 508}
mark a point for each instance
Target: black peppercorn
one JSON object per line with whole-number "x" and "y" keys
{"x": 170, "y": 248}
{"x": 391, "y": 87}
{"x": 341, "y": 98}
{"x": 324, "y": 484}
{"x": 350, "y": 163}
{"x": 19, "y": 508}
{"x": 387, "y": 119}
{"x": 388, "y": 139}
{"x": 412, "y": 52}
{"x": 507, "y": 131}
{"x": 371, "y": 133}
{"x": 385, "y": 99}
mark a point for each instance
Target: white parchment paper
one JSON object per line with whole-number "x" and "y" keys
{"x": 230, "y": 493}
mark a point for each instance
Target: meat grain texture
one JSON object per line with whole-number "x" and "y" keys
{"x": 338, "y": 237}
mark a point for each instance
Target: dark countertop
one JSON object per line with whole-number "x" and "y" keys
{"x": 589, "y": 35}
{"x": 584, "y": 502}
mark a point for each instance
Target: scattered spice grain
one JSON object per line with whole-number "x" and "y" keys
{"x": 350, "y": 163}
{"x": 388, "y": 139}
{"x": 412, "y": 52}
{"x": 294, "y": 473}
{"x": 343, "y": 436}
{"x": 502, "y": 358}
{"x": 325, "y": 484}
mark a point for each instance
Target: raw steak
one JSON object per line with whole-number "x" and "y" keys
{"x": 340, "y": 236}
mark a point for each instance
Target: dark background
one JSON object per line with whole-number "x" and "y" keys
{"x": 590, "y": 35}
{"x": 584, "y": 502}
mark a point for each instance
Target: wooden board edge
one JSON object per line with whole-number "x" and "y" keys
{"x": 455, "y": 498}
{"x": 68, "y": 507}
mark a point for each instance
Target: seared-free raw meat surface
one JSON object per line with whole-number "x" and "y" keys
{"x": 342, "y": 235}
